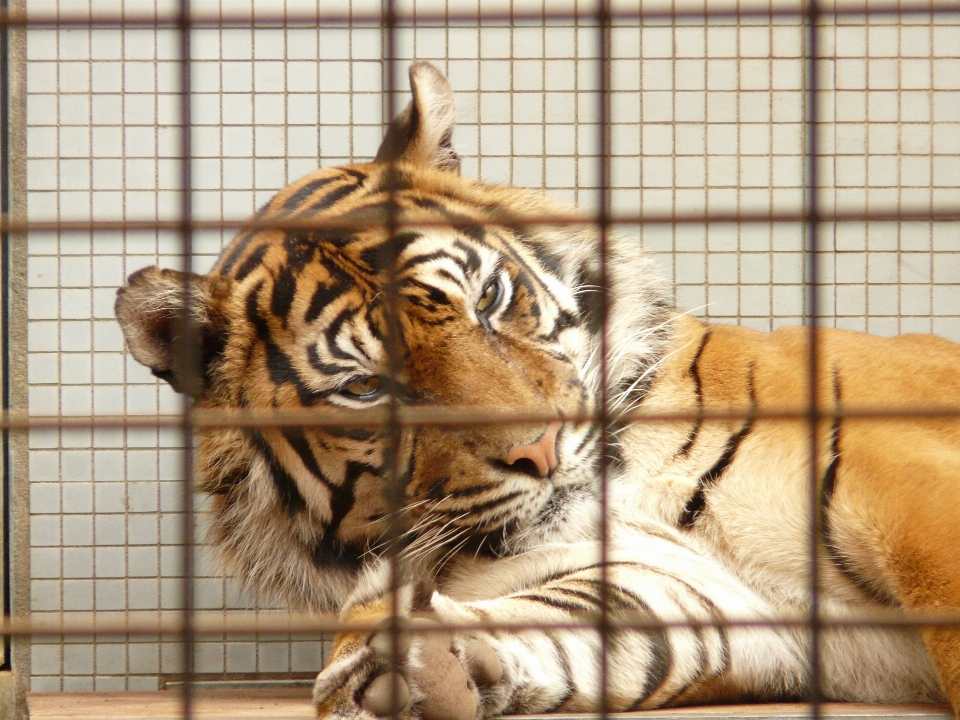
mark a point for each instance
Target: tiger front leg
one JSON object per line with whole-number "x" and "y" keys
{"x": 437, "y": 675}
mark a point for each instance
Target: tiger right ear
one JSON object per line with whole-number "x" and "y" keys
{"x": 422, "y": 133}
{"x": 150, "y": 309}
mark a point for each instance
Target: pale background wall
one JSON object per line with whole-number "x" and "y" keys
{"x": 705, "y": 118}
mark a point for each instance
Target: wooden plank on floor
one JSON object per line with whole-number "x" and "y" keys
{"x": 775, "y": 711}
{"x": 294, "y": 704}
{"x": 265, "y": 703}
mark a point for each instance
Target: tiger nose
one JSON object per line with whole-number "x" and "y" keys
{"x": 541, "y": 452}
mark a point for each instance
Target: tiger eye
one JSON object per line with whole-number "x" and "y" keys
{"x": 489, "y": 297}
{"x": 367, "y": 386}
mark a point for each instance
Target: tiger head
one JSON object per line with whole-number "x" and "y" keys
{"x": 396, "y": 281}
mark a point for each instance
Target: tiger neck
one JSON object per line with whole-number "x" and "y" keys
{"x": 641, "y": 324}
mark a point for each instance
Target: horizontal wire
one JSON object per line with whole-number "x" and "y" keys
{"x": 277, "y": 623}
{"x": 585, "y": 18}
{"x": 457, "y": 416}
{"x": 945, "y": 214}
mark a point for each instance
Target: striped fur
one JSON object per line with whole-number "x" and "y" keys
{"x": 709, "y": 520}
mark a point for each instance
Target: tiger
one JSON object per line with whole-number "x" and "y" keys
{"x": 400, "y": 283}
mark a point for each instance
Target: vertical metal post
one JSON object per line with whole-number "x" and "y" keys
{"x": 394, "y": 493}
{"x": 811, "y": 249}
{"x": 6, "y": 497}
{"x": 603, "y": 229}
{"x": 187, "y": 347}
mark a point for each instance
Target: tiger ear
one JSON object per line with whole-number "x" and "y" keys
{"x": 422, "y": 133}
{"x": 150, "y": 310}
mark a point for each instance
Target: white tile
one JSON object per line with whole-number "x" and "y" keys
{"x": 78, "y": 659}
{"x": 77, "y": 684}
{"x": 110, "y": 594}
{"x": 45, "y": 660}
{"x": 273, "y": 657}
{"x": 305, "y": 656}
{"x": 44, "y": 563}
{"x": 44, "y": 531}
{"x": 110, "y": 563}
{"x": 109, "y": 684}
{"x": 109, "y": 497}
{"x": 77, "y": 530}
{"x": 44, "y": 595}
{"x": 143, "y": 658}
{"x": 77, "y": 499}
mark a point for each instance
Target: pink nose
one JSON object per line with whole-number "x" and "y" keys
{"x": 542, "y": 452}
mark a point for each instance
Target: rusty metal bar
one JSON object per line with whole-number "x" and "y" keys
{"x": 277, "y": 623}
{"x": 943, "y": 214}
{"x": 452, "y": 416}
{"x": 811, "y": 320}
{"x": 227, "y": 19}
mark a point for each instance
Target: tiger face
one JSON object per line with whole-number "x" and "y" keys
{"x": 416, "y": 287}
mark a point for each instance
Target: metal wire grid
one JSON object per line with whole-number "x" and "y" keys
{"x": 706, "y": 160}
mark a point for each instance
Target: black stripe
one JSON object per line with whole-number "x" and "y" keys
{"x": 446, "y": 274}
{"x": 829, "y": 483}
{"x": 351, "y": 433}
{"x": 330, "y": 552}
{"x": 566, "y": 673}
{"x": 662, "y": 660}
{"x": 684, "y": 451}
{"x": 313, "y": 358}
{"x": 564, "y": 574}
{"x": 360, "y": 177}
{"x": 292, "y": 202}
{"x": 526, "y": 272}
{"x": 322, "y": 296}
{"x": 437, "y": 490}
{"x": 251, "y": 263}
{"x": 591, "y": 435}
{"x": 435, "y": 294}
{"x": 298, "y": 442}
{"x": 239, "y": 245}
{"x": 332, "y": 197}
{"x": 482, "y": 507}
{"x": 428, "y": 204}
{"x": 278, "y": 364}
{"x": 341, "y": 496}
{"x": 333, "y": 329}
{"x": 698, "y": 501}
{"x": 586, "y": 597}
{"x": 617, "y": 598}
{"x": 286, "y": 487}
{"x": 424, "y": 258}
{"x": 284, "y": 290}
{"x": 224, "y": 484}
{"x": 662, "y": 656}
{"x": 828, "y": 487}
{"x": 556, "y": 603}
{"x": 551, "y": 262}
{"x": 384, "y": 254}
{"x": 660, "y": 647}
{"x": 472, "y": 262}
{"x": 301, "y": 246}
{"x": 717, "y": 617}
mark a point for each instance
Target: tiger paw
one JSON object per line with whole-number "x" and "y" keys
{"x": 438, "y": 675}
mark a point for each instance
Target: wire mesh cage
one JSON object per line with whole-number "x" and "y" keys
{"x": 699, "y": 130}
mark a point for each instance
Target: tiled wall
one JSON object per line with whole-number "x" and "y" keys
{"x": 705, "y": 119}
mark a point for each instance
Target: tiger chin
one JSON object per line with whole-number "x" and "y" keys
{"x": 489, "y": 299}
